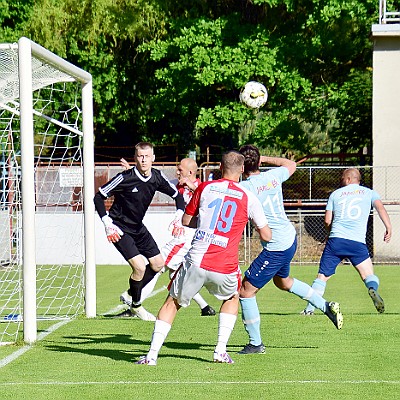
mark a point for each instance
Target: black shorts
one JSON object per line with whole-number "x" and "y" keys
{"x": 141, "y": 242}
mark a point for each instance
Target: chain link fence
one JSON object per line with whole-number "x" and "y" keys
{"x": 305, "y": 195}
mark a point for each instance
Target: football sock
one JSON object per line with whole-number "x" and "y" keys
{"x": 226, "y": 324}
{"x": 319, "y": 286}
{"x": 148, "y": 289}
{"x": 200, "y": 301}
{"x": 251, "y": 319}
{"x": 306, "y": 292}
{"x": 135, "y": 287}
{"x": 149, "y": 274}
{"x": 160, "y": 332}
{"x": 135, "y": 290}
{"x": 372, "y": 282}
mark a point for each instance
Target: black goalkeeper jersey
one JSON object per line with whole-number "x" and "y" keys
{"x": 133, "y": 194}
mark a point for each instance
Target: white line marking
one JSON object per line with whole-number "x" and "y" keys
{"x": 122, "y": 306}
{"x": 271, "y": 382}
{"x": 24, "y": 349}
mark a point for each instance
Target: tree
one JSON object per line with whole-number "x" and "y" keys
{"x": 313, "y": 56}
{"x": 170, "y": 71}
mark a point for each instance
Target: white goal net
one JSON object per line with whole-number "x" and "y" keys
{"x": 46, "y": 159}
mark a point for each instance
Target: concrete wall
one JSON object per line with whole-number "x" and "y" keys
{"x": 386, "y": 123}
{"x": 62, "y": 234}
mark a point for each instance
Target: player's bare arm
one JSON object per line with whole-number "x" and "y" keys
{"x": 328, "y": 219}
{"x": 124, "y": 164}
{"x": 383, "y": 215}
{"x": 280, "y": 162}
{"x": 265, "y": 233}
{"x": 189, "y": 220}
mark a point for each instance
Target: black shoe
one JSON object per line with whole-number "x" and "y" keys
{"x": 333, "y": 313}
{"x": 124, "y": 314}
{"x": 252, "y": 349}
{"x": 378, "y": 301}
{"x": 207, "y": 310}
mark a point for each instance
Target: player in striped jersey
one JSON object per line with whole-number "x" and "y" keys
{"x": 220, "y": 210}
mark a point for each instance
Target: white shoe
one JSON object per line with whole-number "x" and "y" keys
{"x": 143, "y": 360}
{"x": 222, "y": 358}
{"x": 126, "y": 298}
{"x": 143, "y": 314}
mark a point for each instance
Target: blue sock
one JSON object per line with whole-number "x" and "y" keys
{"x": 372, "y": 282}
{"x": 306, "y": 292}
{"x": 251, "y": 319}
{"x": 319, "y": 286}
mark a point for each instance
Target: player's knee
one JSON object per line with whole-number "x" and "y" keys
{"x": 157, "y": 266}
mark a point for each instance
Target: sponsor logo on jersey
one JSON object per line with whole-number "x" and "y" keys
{"x": 135, "y": 190}
{"x": 353, "y": 193}
{"x": 270, "y": 185}
{"x": 229, "y": 192}
{"x": 211, "y": 238}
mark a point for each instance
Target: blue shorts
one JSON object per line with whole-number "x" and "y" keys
{"x": 337, "y": 249}
{"x": 269, "y": 264}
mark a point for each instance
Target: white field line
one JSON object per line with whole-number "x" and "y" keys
{"x": 22, "y": 350}
{"x": 121, "y": 306}
{"x": 270, "y": 382}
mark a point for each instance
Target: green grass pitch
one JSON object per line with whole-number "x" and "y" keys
{"x": 306, "y": 357}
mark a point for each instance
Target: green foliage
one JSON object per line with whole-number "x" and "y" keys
{"x": 313, "y": 63}
{"x": 13, "y": 14}
{"x": 171, "y": 71}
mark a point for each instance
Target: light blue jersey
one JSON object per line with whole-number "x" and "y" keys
{"x": 351, "y": 206}
{"x": 267, "y": 186}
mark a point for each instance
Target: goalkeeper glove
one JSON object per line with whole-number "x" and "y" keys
{"x": 176, "y": 225}
{"x": 112, "y": 231}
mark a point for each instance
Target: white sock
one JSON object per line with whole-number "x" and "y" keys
{"x": 226, "y": 324}
{"x": 160, "y": 332}
{"x": 200, "y": 301}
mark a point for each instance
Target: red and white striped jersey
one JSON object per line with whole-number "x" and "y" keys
{"x": 186, "y": 192}
{"x": 223, "y": 209}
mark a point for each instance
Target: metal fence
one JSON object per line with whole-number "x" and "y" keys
{"x": 305, "y": 196}
{"x": 388, "y": 13}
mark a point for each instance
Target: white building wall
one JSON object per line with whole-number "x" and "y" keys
{"x": 386, "y": 124}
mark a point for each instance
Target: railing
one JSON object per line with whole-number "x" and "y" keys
{"x": 386, "y": 16}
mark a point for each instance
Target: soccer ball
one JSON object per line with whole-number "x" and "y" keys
{"x": 253, "y": 94}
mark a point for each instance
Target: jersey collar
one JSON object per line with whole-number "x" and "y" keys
{"x": 140, "y": 176}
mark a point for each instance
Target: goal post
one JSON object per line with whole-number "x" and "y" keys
{"x": 46, "y": 128}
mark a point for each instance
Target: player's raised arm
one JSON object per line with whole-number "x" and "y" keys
{"x": 280, "y": 162}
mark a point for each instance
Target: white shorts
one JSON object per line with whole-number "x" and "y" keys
{"x": 190, "y": 278}
{"x": 176, "y": 249}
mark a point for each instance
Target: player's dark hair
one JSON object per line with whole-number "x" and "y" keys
{"x": 251, "y": 158}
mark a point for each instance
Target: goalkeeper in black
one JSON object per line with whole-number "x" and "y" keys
{"x": 133, "y": 191}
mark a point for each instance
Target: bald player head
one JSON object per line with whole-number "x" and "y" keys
{"x": 186, "y": 169}
{"x": 350, "y": 175}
